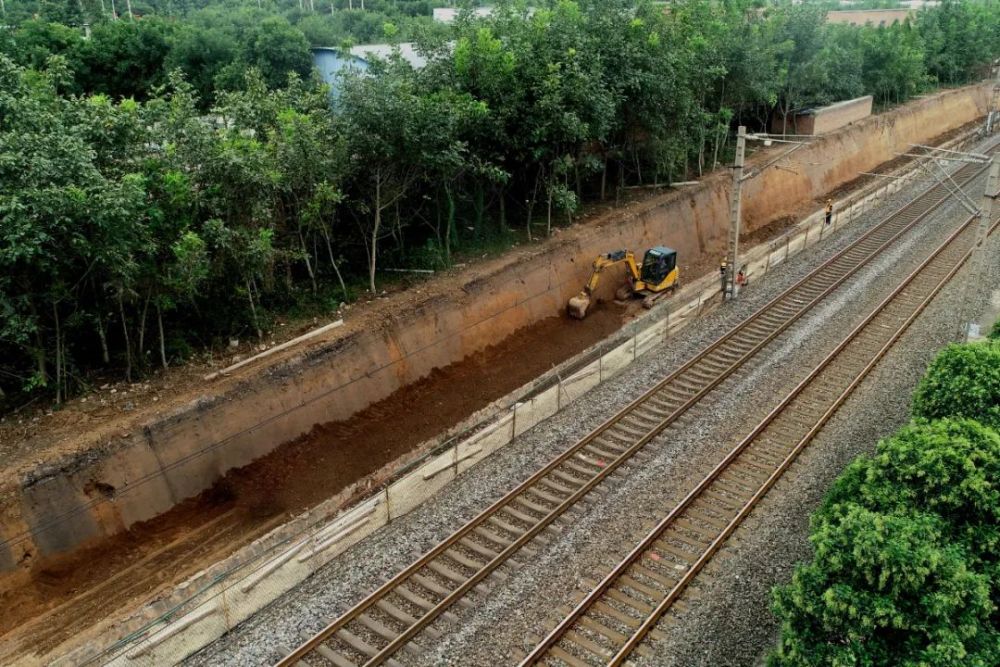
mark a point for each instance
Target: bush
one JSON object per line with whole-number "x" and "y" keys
{"x": 948, "y": 467}
{"x": 963, "y": 381}
{"x": 885, "y": 589}
{"x": 995, "y": 331}
{"x": 906, "y": 568}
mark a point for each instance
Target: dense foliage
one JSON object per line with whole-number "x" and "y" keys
{"x": 174, "y": 180}
{"x": 963, "y": 381}
{"x": 907, "y": 546}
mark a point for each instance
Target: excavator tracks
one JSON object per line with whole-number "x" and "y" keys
{"x": 390, "y": 619}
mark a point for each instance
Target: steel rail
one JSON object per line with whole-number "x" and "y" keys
{"x": 770, "y": 320}
{"x": 648, "y": 545}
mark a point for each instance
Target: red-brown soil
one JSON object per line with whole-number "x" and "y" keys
{"x": 51, "y": 600}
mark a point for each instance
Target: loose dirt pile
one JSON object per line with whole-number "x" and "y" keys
{"x": 50, "y": 600}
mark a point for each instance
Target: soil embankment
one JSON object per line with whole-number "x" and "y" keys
{"x": 127, "y": 472}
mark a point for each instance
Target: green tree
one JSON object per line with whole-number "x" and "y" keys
{"x": 884, "y": 589}
{"x": 962, "y": 381}
{"x": 906, "y": 557}
{"x": 277, "y": 49}
{"x": 380, "y": 129}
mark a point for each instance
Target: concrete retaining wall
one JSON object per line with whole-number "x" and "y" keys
{"x": 61, "y": 505}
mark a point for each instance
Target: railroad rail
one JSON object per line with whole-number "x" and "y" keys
{"x": 611, "y": 621}
{"x": 388, "y": 619}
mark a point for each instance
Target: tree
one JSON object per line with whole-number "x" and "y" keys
{"x": 884, "y": 589}
{"x": 380, "y": 129}
{"x": 906, "y": 557}
{"x": 962, "y": 381}
{"x": 124, "y": 58}
{"x": 276, "y": 49}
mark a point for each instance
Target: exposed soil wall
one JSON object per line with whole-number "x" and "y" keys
{"x": 61, "y": 505}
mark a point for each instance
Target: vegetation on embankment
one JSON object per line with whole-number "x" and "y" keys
{"x": 907, "y": 542}
{"x": 137, "y": 229}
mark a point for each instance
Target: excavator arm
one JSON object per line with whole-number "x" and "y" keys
{"x": 578, "y": 305}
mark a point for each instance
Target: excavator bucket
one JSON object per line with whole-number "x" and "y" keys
{"x": 578, "y": 305}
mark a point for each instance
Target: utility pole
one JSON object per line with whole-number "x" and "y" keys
{"x": 978, "y": 260}
{"x": 735, "y": 213}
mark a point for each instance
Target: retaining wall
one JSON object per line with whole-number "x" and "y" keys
{"x": 63, "y": 504}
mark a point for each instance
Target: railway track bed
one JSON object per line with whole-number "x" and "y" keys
{"x": 409, "y": 605}
{"x": 609, "y": 626}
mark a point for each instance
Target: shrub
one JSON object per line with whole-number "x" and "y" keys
{"x": 884, "y": 589}
{"x": 963, "y": 381}
{"x": 907, "y": 549}
{"x": 948, "y": 467}
{"x": 994, "y": 333}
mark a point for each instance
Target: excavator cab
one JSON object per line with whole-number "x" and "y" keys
{"x": 657, "y": 266}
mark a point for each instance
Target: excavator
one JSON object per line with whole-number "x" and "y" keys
{"x": 657, "y": 274}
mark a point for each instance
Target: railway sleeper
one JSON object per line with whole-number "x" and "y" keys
{"x": 666, "y": 405}
{"x": 558, "y": 484}
{"x": 648, "y": 573}
{"x": 694, "y": 528}
{"x": 767, "y": 459}
{"x": 456, "y": 555}
{"x": 545, "y": 495}
{"x": 641, "y": 607}
{"x": 601, "y": 454}
{"x": 701, "y": 514}
{"x": 595, "y": 625}
{"x": 744, "y": 472}
{"x": 635, "y": 432}
{"x": 587, "y": 472}
{"x": 567, "y": 658}
{"x": 414, "y": 598}
{"x": 506, "y": 526}
{"x": 491, "y": 537}
{"x": 628, "y": 581}
{"x": 521, "y": 515}
{"x": 388, "y": 634}
{"x": 333, "y": 657}
{"x": 529, "y": 506}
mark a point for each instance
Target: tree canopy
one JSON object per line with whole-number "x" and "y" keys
{"x": 183, "y": 177}
{"x": 906, "y": 566}
{"x": 963, "y": 381}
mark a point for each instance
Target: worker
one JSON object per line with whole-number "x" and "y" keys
{"x": 722, "y": 273}
{"x": 829, "y": 211}
{"x": 741, "y": 278}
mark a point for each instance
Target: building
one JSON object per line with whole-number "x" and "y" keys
{"x": 449, "y": 14}
{"x": 330, "y": 61}
{"x": 875, "y": 17}
{"x": 820, "y": 120}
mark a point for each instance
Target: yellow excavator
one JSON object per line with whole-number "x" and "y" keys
{"x": 657, "y": 274}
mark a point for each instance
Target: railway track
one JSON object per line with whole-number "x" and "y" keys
{"x": 388, "y": 620}
{"x": 611, "y": 621}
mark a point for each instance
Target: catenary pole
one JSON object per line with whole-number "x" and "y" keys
{"x": 735, "y": 212}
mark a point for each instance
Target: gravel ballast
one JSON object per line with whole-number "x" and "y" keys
{"x": 731, "y": 624}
